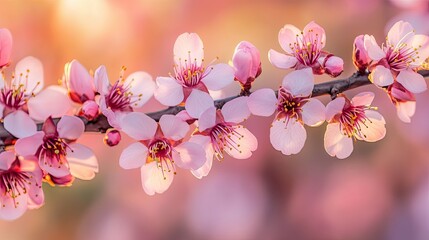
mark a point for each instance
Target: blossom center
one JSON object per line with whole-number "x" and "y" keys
{"x": 15, "y": 96}
{"x": 307, "y": 48}
{"x": 353, "y": 120}
{"x": 14, "y": 183}
{"x": 120, "y": 97}
{"x": 53, "y": 151}
{"x": 225, "y": 136}
{"x": 161, "y": 151}
{"x": 189, "y": 73}
{"x": 289, "y": 106}
{"x": 400, "y": 57}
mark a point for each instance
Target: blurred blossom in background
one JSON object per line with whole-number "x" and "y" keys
{"x": 380, "y": 192}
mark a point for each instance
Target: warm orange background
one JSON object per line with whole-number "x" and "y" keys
{"x": 380, "y": 192}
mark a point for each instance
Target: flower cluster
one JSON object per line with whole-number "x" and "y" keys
{"x": 195, "y": 129}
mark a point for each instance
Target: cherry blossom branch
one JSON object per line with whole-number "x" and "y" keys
{"x": 331, "y": 88}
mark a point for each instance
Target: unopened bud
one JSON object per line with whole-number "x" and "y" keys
{"x": 112, "y": 138}
{"x": 333, "y": 65}
{"x": 361, "y": 59}
{"x": 64, "y": 181}
{"x": 5, "y": 47}
{"x": 247, "y": 63}
{"x": 90, "y": 110}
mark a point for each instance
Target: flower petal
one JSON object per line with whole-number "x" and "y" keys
{"x": 169, "y": 92}
{"x": 37, "y": 105}
{"x": 313, "y": 112}
{"x": 373, "y": 49}
{"x": 141, "y": 86}
{"x": 314, "y": 31}
{"x": 300, "y": 82}
{"x": 218, "y": 76}
{"x": 19, "y": 124}
{"x": 421, "y": 43}
{"x": 134, "y": 156}
{"x": 79, "y": 81}
{"x": 412, "y": 81}
{"x": 207, "y": 119}
{"x": 82, "y": 161}
{"x": 334, "y": 107}
{"x": 190, "y": 155}
{"x": 336, "y": 143}
{"x": 287, "y": 136}
{"x": 236, "y": 110}
{"x": 288, "y": 37}
{"x": 400, "y": 32}
{"x": 245, "y": 143}
{"x": 70, "y": 127}
{"x": 13, "y": 208}
{"x": 363, "y": 99}
{"x": 197, "y": 102}
{"x": 281, "y": 60}
{"x": 6, "y": 43}
{"x": 374, "y": 129}
{"x": 32, "y": 79}
{"x": 101, "y": 80}
{"x": 405, "y": 110}
{"x": 381, "y": 76}
{"x": 205, "y": 142}
{"x": 188, "y": 48}
{"x": 262, "y": 102}
{"x": 6, "y": 159}
{"x": 28, "y": 146}
{"x": 173, "y": 127}
{"x": 139, "y": 126}
{"x": 154, "y": 179}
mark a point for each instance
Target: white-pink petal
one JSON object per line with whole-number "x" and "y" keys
{"x": 363, "y": 99}
{"x": 82, "y": 162}
{"x": 173, "y": 127}
{"x": 12, "y": 208}
{"x": 29, "y": 72}
{"x": 373, "y": 49}
{"x": 189, "y": 155}
{"x": 288, "y": 37}
{"x": 19, "y": 124}
{"x": 197, "y": 102}
{"x": 314, "y": 31}
{"x": 281, "y": 60}
{"x": 70, "y": 127}
{"x": 399, "y": 33}
{"x": 412, "y": 81}
{"x": 6, "y": 160}
{"x": 287, "y": 136}
{"x": 141, "y": 86}
{"x": 6, "y": 43}
{"x": 262, "y": 102}
{"x": 313, "y": 112}
{"x": 334, "y": 107}
{"x": 236, "y": 110}
{"x": 205, "y": 142}
{"x": 134, "y": 156}
{"x": 169, "y": 92}
{"x": 374, "y": 129}
{"x": 381, "y": 76}
{"x": 421, "y": 43}
{"x": 246, "y": 143}
{"x": 28, "y": 146}
{"x": 207, "y": 119}
{"x": 405, "y": 110}
{"x": 218, "y": 76}
{"x": 139, "y": 126}
{"x": 101, "y": 80}
{"x": 300, "y": 82}
{"x": 188, "y": 48}
{"x": 53, "y": 96}
{"x": 154, "y": 180}
{"x": 78, "y": 79}
{"x": 336, "y": 143}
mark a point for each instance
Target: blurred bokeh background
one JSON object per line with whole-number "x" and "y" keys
{"x": 380, "y": 192}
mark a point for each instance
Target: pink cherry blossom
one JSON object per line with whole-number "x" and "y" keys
{"x": 160, "y": 148}
{"x": 220, "y": 132}
{"x": 124, "y": 95}
{"x": 246, "y": 63}
{"x": 361, "y": 60}
{"x": 303, "y": 49}
{"x": 57, "y": 151}
{"x": 79, "y": 83}
{"x": 191, "y": 80}
{"x": 403, "y": 53}
{"x": 404, "y": 101}
{"x": 350, "y": 120}
{"x": 22, "y": 100}
{"x": 6, "y": 43}
{"x": 20, "y": 185}
{"x": 294, "y": 107}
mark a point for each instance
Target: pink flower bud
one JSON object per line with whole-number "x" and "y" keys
{"x": 247, "y": 63}
{"x": 333, "y": 65}
{"x": 5, "y": 47}
{"x": 399, "y": 93}
{"x": 361, "y": 59}
{"x": 90, "y": 110}
{"x": 67, "y": 180}
{"x": 112, "y": 138}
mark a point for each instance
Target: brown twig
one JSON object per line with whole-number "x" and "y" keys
{"x": 331, "y": 88}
